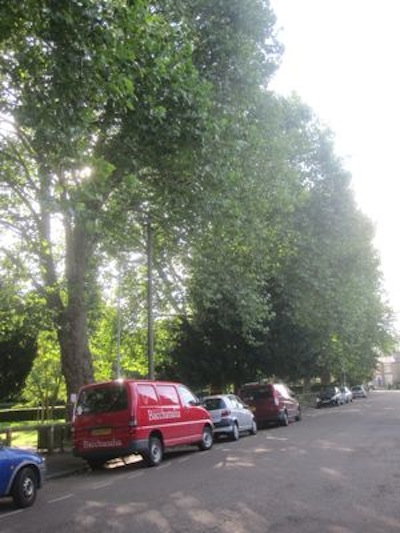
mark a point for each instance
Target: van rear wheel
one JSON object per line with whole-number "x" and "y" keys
{"x": 95, "y": 464}
{"x": 155, "y": 453}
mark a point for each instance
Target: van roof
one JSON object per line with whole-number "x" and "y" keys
{"x": 128, "y": 380}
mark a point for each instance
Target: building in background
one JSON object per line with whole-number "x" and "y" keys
{"x": 387, "y": 374}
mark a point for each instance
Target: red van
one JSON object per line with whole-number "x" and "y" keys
{"x": 271, "y": 403}
{"x": 118, "y": 418}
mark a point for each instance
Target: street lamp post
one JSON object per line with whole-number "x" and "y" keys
{"x": 150, "y": 318}
{"x": 118, "y": 369}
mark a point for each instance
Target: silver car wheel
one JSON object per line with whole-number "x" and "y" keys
{"x": 235, "y": 431}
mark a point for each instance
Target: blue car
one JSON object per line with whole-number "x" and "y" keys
{"x": 21, "y": 474}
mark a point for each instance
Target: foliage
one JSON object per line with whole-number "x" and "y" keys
{"x": 20, "y": 317}
{"x": 206, "y": 354}
{"x": 45, "y": 385}
{"x": 130, "y": 119}
{"x": 323, "y": 314}
{"x": 93, "y": 90}
{"x": 332, "y": 278}
{"x": 17, "y": 353}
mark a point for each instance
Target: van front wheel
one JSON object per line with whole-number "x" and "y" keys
{"x": 155, "y": 453}
{"x": 206, "y": 439}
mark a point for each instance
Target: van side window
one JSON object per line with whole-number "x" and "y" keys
{"x": 168, "y": 395}
{"x": 148, "y": 395}
{"x": 187, "y": 397}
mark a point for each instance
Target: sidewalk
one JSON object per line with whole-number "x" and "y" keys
{"x": 64, "y": 463}
{"x": 60, "y": 464}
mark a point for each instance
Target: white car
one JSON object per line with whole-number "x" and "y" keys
{"x": 346, "y": 394}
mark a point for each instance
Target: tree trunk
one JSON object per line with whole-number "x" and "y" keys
{"x": 76, "y": 359}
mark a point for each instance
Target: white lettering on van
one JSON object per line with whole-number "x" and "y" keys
{"x": 113, "y": 443}
{"x": 164, "y": 415}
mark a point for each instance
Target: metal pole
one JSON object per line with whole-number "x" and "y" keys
{"x": 150, "y": 319}
{"x": 119, "y": 325}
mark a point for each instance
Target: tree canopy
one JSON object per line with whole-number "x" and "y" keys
{"x": 118, "y": 115}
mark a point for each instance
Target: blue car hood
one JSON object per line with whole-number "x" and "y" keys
{"x": 17, "y": 453}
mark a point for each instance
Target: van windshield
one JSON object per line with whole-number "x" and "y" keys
{"x": 109, "y": 398}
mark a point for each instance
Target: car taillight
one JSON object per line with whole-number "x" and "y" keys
{"x": 225, "y": 412}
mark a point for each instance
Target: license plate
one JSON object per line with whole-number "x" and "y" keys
{"x": 101, "y": 431}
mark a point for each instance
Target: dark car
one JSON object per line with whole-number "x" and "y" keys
{"x": 330, "y": 395}
{"x": 230, "y": 415}
{"x": 359, "y": 391}
{"x": 271, "y": 403}
{"x": 21, "y": 474}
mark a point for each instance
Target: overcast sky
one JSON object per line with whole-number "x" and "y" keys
{"x": 341, "y": 57}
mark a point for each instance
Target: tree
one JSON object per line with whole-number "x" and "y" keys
{"x": 16, "y": 355}
{"x": 315, "y": 276}
{"x": 45, "y": 385}
{"x": 20, "y": 317}
{"x": 92, "y": 91}
{"x": 331, "y": 281}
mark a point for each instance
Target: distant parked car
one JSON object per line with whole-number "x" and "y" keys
{"x": 329, "y": 395}
{"x": 21, "y": 474}
{"x": 359, "y": 391}
{"x": 230, "y": 415}
{"x": 347, "y": 395}
{"x": 272, "y": 403}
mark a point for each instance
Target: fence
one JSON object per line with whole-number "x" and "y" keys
{"x": 37, "y": 414}
{"x": 50, "y": 437}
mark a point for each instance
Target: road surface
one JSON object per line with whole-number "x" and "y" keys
{"x": 336, "y": 471}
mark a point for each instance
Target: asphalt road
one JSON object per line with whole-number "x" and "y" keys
{"x": 336, "y": 471}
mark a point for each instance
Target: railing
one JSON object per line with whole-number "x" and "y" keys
{"x": 50, "y": 437}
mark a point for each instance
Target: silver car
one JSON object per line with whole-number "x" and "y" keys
{"x": 347, "y": 395}
{"x": 230, "y": 415}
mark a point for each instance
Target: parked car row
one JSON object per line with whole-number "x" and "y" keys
{"x": 333, "y": 395}
{"x": 259, "y": 404}
{"x": 117, "y": 418}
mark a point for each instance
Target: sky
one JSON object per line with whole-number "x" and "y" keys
{"x": 341, "y": 57}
